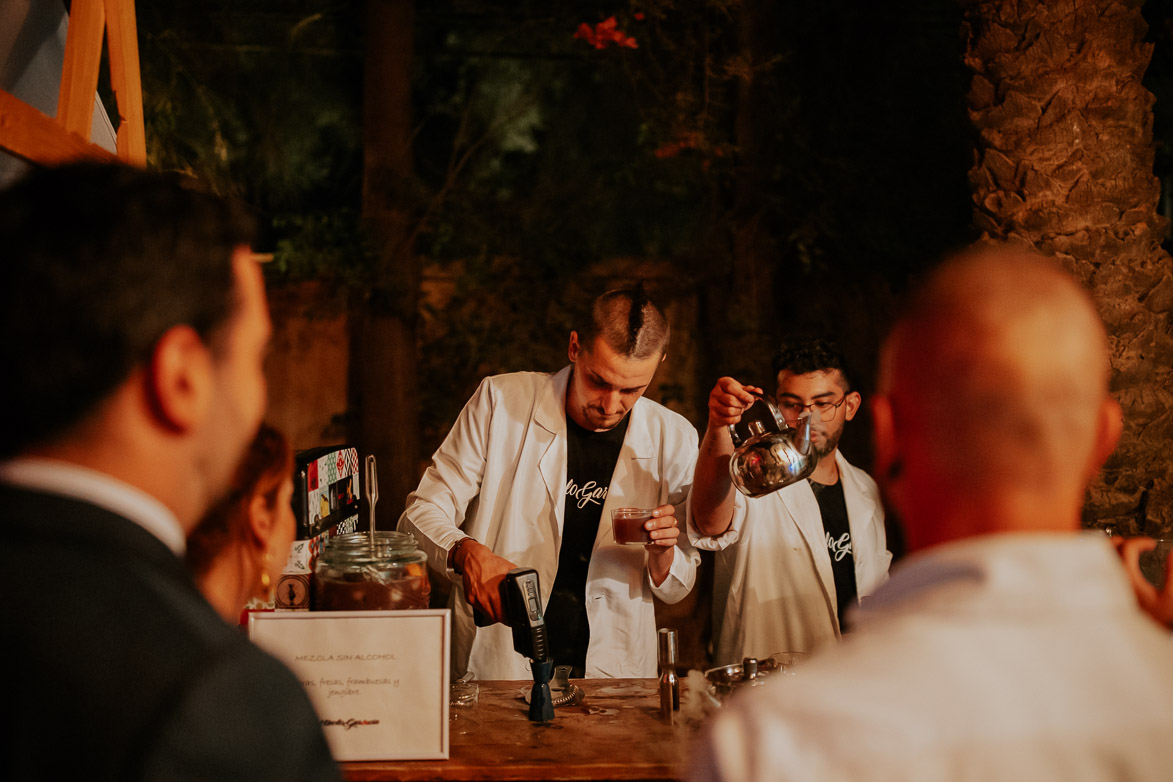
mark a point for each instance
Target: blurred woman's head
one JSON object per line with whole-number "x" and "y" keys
{"x": 240, "y": 547}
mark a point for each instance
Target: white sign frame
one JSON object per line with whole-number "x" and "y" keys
{"x": 378, "y": 679}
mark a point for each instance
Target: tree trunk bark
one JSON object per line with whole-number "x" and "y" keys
{"x": 1064, "y": 164}
{"x": 385, "y": 392}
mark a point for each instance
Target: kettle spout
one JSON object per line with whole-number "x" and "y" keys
{"x": 802, "y": 441}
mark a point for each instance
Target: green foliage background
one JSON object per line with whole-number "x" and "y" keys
{"x": 545, "y": 167}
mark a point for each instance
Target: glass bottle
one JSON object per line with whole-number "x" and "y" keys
{"x": 669, "y": 683}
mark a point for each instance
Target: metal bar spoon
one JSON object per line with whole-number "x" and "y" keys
{"x": 372, "y": 493}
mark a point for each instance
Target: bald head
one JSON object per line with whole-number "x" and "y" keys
{"x": 994, "y": 387}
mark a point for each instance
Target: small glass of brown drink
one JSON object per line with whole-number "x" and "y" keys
{"x": 628, "y": 525}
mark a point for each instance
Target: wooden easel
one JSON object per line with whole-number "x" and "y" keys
{"x": 29, "y": 134}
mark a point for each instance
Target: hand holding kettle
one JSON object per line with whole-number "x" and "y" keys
{"x": 767, "y": 453}
{"x": 747, "y": 446}
{"x": 728, "y": 400}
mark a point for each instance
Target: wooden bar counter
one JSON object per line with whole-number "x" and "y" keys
{"x": 616, "y": 733}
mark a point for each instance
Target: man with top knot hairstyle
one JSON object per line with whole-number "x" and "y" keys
{"x": 528, "y": 477}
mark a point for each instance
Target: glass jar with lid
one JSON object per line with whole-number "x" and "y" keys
{"x": 357, "y": 573}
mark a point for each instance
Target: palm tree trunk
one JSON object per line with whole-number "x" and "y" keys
{"x": 1064, "y": 164}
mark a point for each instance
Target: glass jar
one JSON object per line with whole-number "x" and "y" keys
{"x": 355, "y": 573}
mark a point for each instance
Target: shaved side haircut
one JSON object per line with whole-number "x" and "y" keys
{"x": 630, "y": 323}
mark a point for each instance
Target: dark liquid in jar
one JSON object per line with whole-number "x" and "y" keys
{"x": 355, "y": 591}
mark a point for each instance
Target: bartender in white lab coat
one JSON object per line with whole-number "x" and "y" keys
{"x": 788, "y": 564}
{"x": 528, "y": 477}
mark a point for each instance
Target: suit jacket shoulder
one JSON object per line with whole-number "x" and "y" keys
{"x": 113, "y": 639}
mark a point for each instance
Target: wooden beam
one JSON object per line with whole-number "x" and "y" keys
{"x": 83, "y": 58}
{"x": 122, "y": 38}
{"x": 29, "y": 134}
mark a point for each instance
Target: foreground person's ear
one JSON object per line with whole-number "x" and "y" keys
{"x": 179, "y": 379}
{"x": 889, "y": 464}
{"x": 1109, "y": 426}
{"x": 260, "y": 519}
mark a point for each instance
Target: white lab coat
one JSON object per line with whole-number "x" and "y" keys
{"x": 773, "y": 588}
{"x": 500, "y": 476}
{"x": 1006, "y": 657}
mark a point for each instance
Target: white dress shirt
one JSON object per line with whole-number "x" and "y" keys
{"x": 1006, "y": 657}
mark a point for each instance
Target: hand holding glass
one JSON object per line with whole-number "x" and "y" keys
{"x": 628, "y": 525}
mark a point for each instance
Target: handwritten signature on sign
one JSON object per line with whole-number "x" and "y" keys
{"x": 348, "y": 724}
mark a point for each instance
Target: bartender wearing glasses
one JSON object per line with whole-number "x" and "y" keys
{"x": 788, "y": 564}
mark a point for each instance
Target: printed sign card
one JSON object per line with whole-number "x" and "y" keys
{"x": 378, "y": 679}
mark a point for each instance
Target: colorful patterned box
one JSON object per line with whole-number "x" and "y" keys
{"x": 325, "y": 489}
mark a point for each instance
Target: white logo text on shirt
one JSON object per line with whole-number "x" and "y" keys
{"x": 590, "y": 493}
{"x": 839, "y": 547}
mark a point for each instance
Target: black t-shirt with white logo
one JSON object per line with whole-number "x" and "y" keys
{"x": 590, "y": 461}
{"x": 833, "y": 508}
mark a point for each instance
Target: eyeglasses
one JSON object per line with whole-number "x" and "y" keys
{"x": 822, "y": 409}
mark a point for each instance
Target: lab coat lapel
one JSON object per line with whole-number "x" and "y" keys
{"x": 550, "y": 423}
{"x": 800, "y": 502}
{"x": 857, "y": 509}
{"x": 859, "y": 520}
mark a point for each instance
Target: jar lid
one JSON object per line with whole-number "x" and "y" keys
{"x": 359, "y": 547}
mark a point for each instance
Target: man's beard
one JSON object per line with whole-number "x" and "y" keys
{"x": 829, "y": 444}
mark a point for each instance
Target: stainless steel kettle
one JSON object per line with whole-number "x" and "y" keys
{"x": 767, "y": 453}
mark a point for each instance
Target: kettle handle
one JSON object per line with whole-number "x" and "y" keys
{"x": 775, "y": 414}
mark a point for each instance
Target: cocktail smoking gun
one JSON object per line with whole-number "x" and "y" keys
{"x": 521, "y": 598}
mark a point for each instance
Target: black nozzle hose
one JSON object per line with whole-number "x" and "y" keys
{"x": 541, "y": 703}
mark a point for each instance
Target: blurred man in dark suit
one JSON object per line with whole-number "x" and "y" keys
{"x": 134, "y": 325}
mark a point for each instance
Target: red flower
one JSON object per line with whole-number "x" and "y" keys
{"x": 688, "y": 139}
{"x": 605, "y": 33}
